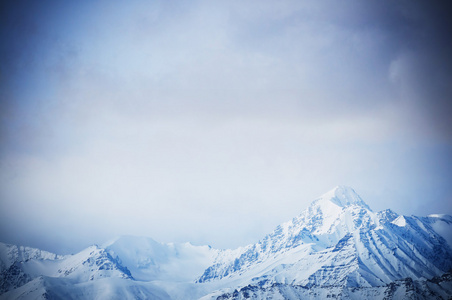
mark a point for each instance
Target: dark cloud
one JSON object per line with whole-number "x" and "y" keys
{"x": 425, "y": 77}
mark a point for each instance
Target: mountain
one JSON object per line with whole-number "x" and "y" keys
{"x": 336, "y": 248}
{"x": 150, "y": 260}
{"x": 104, "y": 272}
{"x": 435, "y": 288}
{"x": 338, "y": 240}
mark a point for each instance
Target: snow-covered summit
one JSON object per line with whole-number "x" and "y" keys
{"x": 339, "y": 241}
{"x": 326, "y": 221}
{"x": 342, "y": 196}
{"x": 334, "y": 214}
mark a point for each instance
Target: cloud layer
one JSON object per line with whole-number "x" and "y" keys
{"x": 213, "y": 122}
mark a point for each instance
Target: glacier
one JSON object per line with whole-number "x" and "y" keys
{"x": 336, "y": 248}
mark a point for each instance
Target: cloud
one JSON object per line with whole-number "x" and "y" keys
{"x": 157, "y": 118}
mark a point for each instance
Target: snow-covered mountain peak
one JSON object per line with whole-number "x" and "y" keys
{"x": 329, "y": 218}
{"x": 148, "y": 259}
{"x": 336, "y": 248}
{"x": 10, "y": 254}
{"x": 342, "y": 196}
{"x": 339, "y": 241}
{"x": 322, "y": 225}
{"x": 336, "y": 213}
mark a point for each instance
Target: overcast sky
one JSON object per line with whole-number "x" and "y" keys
{"x": 214, "y": 121}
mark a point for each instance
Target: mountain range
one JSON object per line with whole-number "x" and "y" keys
{"x": 337, "y": 248}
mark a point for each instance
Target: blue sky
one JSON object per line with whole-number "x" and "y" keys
{"x": 213, "y": 122}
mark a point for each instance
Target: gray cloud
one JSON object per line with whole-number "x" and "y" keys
{"x": 172, "y": 119}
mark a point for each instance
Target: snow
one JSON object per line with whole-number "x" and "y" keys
{"x": 400, "y": 221}
{"x": 337, "y": 246}
{"x": 105, "y": 288}
{"x": 12, "y": 253}
{"x": 31, "y": 290}
{"x": 442, "y": 225}
{"x": 150, "y": 260}
{"x": 344, "y": 196}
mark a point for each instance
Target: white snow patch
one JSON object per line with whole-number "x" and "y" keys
{"x": 400, "y": 221}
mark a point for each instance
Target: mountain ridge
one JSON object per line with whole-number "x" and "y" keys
{"x": 337, "y": 245}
